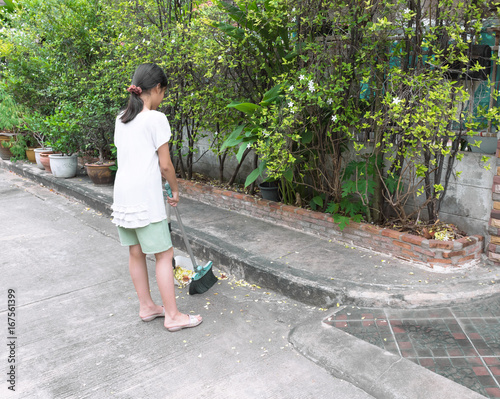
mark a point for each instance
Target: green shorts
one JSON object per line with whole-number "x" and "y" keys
{"x": 153, "y": 238}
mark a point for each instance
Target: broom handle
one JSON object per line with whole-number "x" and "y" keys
{"x": 184, "y": 236}
{"x": 188, "y": 246}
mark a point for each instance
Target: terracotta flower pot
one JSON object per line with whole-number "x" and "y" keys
{"x": 39, "y": 151}
{"x": 100, "y": 174}
{"x": 4, "y": 152}
{"x": 45, "y": 160}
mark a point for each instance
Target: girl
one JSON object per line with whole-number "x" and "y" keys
{"x": 141, "y": 139}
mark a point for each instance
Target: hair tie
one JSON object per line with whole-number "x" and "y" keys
{"x": 134, "y": 89}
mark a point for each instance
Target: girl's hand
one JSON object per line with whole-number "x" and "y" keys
{"x": 174, "y": 199}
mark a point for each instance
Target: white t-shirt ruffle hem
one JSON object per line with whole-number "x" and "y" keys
{"x": 138, "y": 192}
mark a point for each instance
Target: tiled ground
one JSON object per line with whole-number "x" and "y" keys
{"x": 461, "y": 343}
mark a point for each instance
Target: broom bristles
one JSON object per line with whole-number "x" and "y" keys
{"x": 203, "y": 280}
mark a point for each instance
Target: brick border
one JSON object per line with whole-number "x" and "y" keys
{"x": 494, "y": 225}
{"x": 435, "y": 254}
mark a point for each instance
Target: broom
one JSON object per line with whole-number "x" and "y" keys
{"x": 204, "y": 278}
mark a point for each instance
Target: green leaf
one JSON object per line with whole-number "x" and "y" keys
{"x": 248, "y": 108}
{"x": 307, "y": 137}
{"x": 234, "y": 138}
{"x": 318, "y": 201}
{"x": 332, "y": 207}
{"x": 252, "y": 177}
{"x": 272, "y": 95}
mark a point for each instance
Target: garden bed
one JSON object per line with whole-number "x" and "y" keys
{"x": 434, "y": 254}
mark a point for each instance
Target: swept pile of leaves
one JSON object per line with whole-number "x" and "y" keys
{"x": 438, "y": 231}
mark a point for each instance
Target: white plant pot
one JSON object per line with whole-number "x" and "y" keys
{"x": 63, "y": 166}
{"x": 37, "y": 156}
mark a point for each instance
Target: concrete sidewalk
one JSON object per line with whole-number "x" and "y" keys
{"x": 318, "y": 272}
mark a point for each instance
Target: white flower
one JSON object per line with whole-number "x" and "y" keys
{"x": 136, "y": 47}
{"x": 334, "y": 118}
{"x": 292, "y": 111}
{"x": 406, "y": 11}
{"x": 396, "y": 100}
{"x": 290, "y": 104}
{"x": 216, "y": 133}
{"x": 311, "y": 86}
{"x": 329, "y": 101}
{"x": 301, "y": 77}
{"x": 249, "y": 145}
{"x": 172, "y": 41}
{"x": 220, "y": 57}
{"x": 293, "y": 19}
{"x": 291, "y": 88}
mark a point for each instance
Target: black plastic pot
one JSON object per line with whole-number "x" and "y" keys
{"x": 270, "y": 191}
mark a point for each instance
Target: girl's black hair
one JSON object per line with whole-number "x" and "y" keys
{"x": 146, "y": 76}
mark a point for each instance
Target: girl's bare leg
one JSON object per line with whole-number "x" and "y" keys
{"x": 165, "y": 280}
{"x": 139, "y": 273}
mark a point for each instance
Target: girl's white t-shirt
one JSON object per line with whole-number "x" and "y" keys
{"x": 138, "y": 196}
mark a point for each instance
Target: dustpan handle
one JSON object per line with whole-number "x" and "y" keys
{"x": 184, "y": 236}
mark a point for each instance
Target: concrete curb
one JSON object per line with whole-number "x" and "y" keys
{"x": 382, "y": 374}
{"x": 296, "y": 283}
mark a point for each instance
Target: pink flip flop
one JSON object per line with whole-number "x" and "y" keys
{"x": 154, "y": 316}
{"x": 193, "y": 322}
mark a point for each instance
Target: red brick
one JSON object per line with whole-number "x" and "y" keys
{"x": 494, "y": 257}
{"x": 466, "y": 241}
{"x": 410, "y": 254}
{"x": 444, "y": 261}
{"x": 355, "y": 225}
{"x": 401, "y": 244}
{"x": 496, "y": 179}
{"x": 302, "y": 211}
{"x": 392, "y": 233}
{"x": 476, "y": 248}
{"x": 382, "y": 239}
{"x": 412, "y": 239}
{"x": 371, "y": 229}
{"x": 450, "y": 254}
{"x": 441, "y": 244}
{"x": 495, "y": 214}
{"x": 465, "y": 259}
{"x": 424, "y": 251}
{"x": 288, "y": 208}
{"x": 479, "y": 238}
{"x": 319, "y": 215}
{"x": 249, "y": 198}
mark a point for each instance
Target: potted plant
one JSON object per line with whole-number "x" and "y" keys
{"x": 34, "y": 123}
{"x": 64, "y": 138}
{"x": 20, "y": 146}
{"x": 10, "y": 119}
{"x": 97, "y": 121}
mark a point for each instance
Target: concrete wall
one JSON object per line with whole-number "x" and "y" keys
{"x": 206, "y": 162}
{"x": 468, "y": 201}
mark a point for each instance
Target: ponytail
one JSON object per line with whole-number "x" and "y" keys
{"x": 146, "y": 76}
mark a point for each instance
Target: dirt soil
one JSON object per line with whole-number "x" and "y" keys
{"x": 437, "y": 231}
